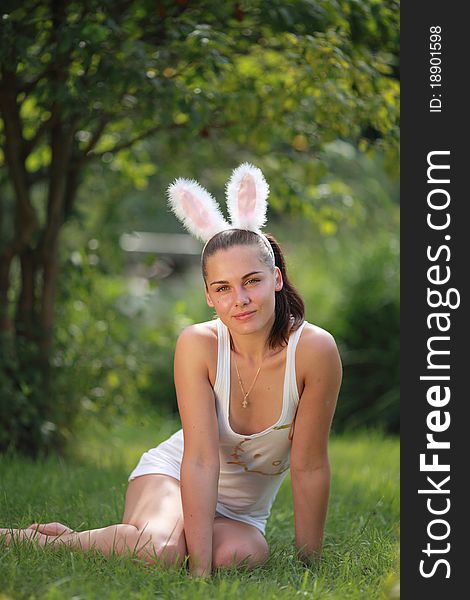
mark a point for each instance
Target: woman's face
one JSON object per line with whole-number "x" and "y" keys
{"x": 239, "y": 282}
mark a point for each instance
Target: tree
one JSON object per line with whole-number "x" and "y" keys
{"x": 82, "y": 81}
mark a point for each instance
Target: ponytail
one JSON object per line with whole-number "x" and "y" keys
{"x": 290, "y": 308}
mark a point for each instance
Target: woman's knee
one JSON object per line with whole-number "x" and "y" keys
{"x": 154, "y": 550}
{"x": 249, "y": 553}
{"x": 146, "y": 543}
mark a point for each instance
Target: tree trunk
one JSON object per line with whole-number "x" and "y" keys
{"x": 61, "y": 146}
{"x": 6, "y": 325}
{"x": 50, "y": 271}
{"x": 24, "y": 320}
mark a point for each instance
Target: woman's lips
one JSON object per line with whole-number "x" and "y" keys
{"x": 245, "y": 316}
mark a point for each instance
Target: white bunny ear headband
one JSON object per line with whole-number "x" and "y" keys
{"x": 246, "y": 193}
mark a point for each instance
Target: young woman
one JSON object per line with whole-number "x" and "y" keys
{"x": 242, "y": 381}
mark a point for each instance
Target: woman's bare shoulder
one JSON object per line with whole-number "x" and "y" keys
{"x": 197, "y": 344}
{"x": 315, "y": 342}
{"x": 317, "y": 353}
{"x": 200, "y": 335}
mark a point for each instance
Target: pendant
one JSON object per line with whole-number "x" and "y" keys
{"x": 244, "y": 403}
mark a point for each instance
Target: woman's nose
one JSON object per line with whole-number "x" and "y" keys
{"x": 242, "y": 296}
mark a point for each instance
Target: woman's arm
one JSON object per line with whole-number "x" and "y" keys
{"x": 310, "y": 468}
{"x": 199, "y": 498}
{"x": 310, "y": 497}
{"x": 200, "y": 465}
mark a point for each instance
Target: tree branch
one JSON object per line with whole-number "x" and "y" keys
{"x": 128, "y": 143}
{"x": 42, "y": 129}
{"x": 103, "y": 121}
{"x": 29, "y": 86}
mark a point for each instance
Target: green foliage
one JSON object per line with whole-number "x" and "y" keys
{"x": 369, "y": 337}
{"x": 111, "y": 354}
{"x": 347, "y": 270}
{"x": 256, "y": 74}
{"x": 28, "y": 416}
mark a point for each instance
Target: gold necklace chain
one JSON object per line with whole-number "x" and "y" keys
{"x": 245, "y": 394}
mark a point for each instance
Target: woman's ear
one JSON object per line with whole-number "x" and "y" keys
{"x": 208, "y": 298}
{"x": 279, "y": 282}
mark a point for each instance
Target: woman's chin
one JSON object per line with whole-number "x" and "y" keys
{"x": 252, "y": 325}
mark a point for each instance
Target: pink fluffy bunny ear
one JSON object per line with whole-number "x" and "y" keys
{"x": 246, "y": 193}
{"x": 196, "y": 208}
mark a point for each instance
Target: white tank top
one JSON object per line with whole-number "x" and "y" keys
{"x": 252, "y": 467}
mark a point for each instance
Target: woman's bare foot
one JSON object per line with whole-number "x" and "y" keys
{"x": 51, "y": 528}
{"x": 34, "y": 534}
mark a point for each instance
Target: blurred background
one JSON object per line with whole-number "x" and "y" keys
{"x": 102, "y": 105}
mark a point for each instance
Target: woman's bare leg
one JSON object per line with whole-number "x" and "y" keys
{"x": 153, "y": 505}
{"x": 236, "y": 543}
{"x": 113, "y": 539}
{"x": 152, "y": 525}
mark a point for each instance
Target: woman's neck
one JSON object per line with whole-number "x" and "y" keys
{"x": 253, "y": 347}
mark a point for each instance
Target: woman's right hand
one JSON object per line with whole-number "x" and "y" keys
{"x": 200, "y": 573}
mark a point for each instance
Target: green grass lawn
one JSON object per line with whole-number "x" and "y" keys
{"x": 86, "y": 490}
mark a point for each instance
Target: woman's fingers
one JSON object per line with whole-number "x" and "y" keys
{"x": 51, "y": 528}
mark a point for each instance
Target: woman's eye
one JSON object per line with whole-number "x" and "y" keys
{"x": 225, "y": 287}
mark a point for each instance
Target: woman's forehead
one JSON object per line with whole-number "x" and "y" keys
{"x": 235, "y": 261}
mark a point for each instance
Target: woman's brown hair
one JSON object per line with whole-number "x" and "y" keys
{"x": 289, "y": 307}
